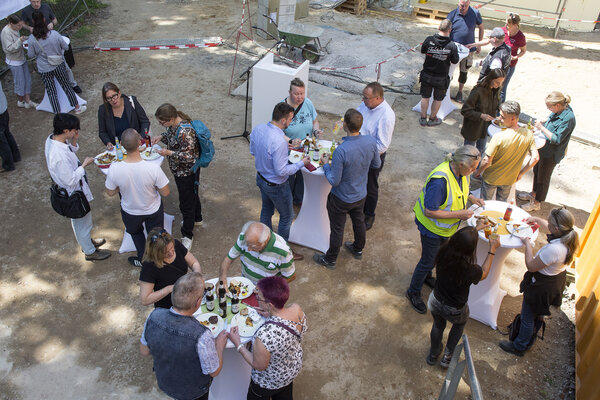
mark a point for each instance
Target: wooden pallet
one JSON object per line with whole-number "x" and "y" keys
{"x": 430, "y": 13}
{"x": 356, "y": 7}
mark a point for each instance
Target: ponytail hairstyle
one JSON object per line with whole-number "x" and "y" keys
{"x": 167, "y": 112}
{"x": 558, "y": 98}
{"x": 563, "y": 220}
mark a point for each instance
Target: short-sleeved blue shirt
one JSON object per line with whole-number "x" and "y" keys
{"x": 463, "y": 26}
{"x": 302, "y": 122}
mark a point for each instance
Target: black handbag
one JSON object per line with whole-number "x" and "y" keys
{"x": 74, "y": 206}
{"x": 515, "y": 326}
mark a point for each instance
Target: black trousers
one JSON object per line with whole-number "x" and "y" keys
{"x": 9, "y": 151}
{"x": 256, "y": 392}
{"x": 189, "y": 202}
{"x": 134, "y": 225}
{"x": 337, "y": 210}
{"x": 542, "y": 172}
{"x": 373, "y": 188}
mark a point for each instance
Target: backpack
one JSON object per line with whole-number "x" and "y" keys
{"x": 515, "y": 327}
{"x": 207, "y": 149}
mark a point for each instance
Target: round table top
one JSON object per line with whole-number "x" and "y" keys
{"x": 518, "y": 214}
{"x": 538, "y": 136}
{"x": 296, "y": 156}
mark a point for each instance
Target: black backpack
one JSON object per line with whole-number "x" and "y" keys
{"x": 515, "y": 326}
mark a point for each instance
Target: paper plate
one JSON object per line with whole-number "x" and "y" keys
{"x": 215, "y": 328}
{"x": 246, "y": 330}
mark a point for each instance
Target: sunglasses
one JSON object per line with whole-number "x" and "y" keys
{"x": 161, "y": 234}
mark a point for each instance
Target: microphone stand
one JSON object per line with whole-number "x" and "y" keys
{"x": 246, "y": 134}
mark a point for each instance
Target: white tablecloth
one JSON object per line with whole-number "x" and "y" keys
{"x": 447, "y": 106}
{"x": 65, "y": 107}
{"x": 311, "y": 227}
{"x": 540, "y": 139}
{"x": 485, "y": 297}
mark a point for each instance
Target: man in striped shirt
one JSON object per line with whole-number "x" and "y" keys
{"x": 262, "y": 253}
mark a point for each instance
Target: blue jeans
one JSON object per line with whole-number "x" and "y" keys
{"x": 479, "y": 143}
{"x": 82, "y": 227}
{"x": 429, "y": 249}
{"x": 276, "y": 197}
{"x": 441, "y": 314}
{"x": 509, "y": 74}
{"x": 526, "y": 331}
{"x": 501, "y": 192}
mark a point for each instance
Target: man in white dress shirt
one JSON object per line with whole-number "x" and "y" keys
{"x": 68, "y": 173}
{"x": 378, "y": 121}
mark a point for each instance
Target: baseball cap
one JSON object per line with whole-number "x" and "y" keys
{"x": 497, "y": 33}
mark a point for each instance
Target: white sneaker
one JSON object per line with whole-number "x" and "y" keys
{"x": 31, "y": 104}
{"x": 187, "y": 242}
{"x": 22, "y": 104}
{"x": 196, "y": 223}
{"x": 81, "y": 109}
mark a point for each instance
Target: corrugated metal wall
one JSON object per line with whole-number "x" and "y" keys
{"x": 587, "y": 318}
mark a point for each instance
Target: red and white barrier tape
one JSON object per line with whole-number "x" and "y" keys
{"x": 212, "y": 43}
{"x": 538, "y": 16}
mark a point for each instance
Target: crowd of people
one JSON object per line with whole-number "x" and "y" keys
{"x": 185, "y": 355}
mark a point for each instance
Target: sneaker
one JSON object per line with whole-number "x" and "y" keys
{"x": 77, "y": 89}
{"x": 187, "y": 242}
{"x": 98, "y": 242}
{"x": 531, "y": 206}
{"x": 431, "y": 359}
{"x": 356, "y": 254}
{"x": 416, "y": 302}
{"x": 423, "y": 121}
{"x": 98, "y": 255}
{"x": 320, "y": 259}
{"x": 21, "y": 104}
{"x": 133, "y": 260}
{"x": 524, "y": 196}
{"x": 430, "y": 281}
{"x": 369, "y": 220}
{"x": 459, "y": 97}
{"x": 81, "y": 109}
{"x": 297, "y": 256}
{"x": 31, "y": 104}
{"x": 196, "y": 223}
{"x": 509, "y": 347}
{"x": 434, "y": 122}
{"x": 445, "y": 362}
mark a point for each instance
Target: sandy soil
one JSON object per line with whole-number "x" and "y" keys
{"x": 70, "y": 328}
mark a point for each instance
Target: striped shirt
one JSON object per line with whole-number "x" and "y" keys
{"x": 275, "y": 259}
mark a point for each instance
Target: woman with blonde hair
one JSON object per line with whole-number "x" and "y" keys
{"x": 165, "y": 260}
{"x": 182, "y": 150}
{"x": 557, "y": 129}
{"x": 544, "y": 282}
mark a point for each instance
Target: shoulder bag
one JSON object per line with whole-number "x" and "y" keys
{"x": 74, "y": 206}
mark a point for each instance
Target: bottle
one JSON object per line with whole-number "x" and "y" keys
{"x": 316, "y": 155}
{"x": 222, "y": 300}
{"x": 306, "y": 145}
{"x": 507, "y": 214}
{"x": 235, "y": 304}
{"x": 530, "y": 124}
{"x": 331, "y": 149}
{"x": 338, "y": 126}
{"x": 210, "y": 301}
{"x": 119, "y": 150}
{"x": 147, "y": 139}
{"x": 487, "y": 231}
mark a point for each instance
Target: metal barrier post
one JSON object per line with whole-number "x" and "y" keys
{"x": 455, "y": 371}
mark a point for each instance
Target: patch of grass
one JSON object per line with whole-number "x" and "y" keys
{"x": 83, "y": 32}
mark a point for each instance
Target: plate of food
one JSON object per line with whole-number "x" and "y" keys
{"x": 149, "y": 154}
{"x": 295, "y": 156}
{"x": 498, "y": 123}
{"x": 248, "y": 320}
{"x": 519, "y": 229}
{"x": 243, "y": 287}
{"x": 103, "y": 160}
{"x": 212, "y": 321}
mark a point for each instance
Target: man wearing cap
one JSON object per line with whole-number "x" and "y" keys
{"x": 499, "y": 56}
{"x": 464, "y": 19}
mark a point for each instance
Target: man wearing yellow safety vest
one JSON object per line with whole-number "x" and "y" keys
{"x": 439, "y": 209}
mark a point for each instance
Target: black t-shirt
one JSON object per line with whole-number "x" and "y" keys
{"x": 167, "y": 275}
{"x": 44, "y": 9}
{"x": 451, "y": 292}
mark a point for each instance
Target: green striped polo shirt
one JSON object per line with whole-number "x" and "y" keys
{"x": 275, "y": 259}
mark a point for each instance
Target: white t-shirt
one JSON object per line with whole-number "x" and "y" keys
{"x": 553, "y": 255}
{"x": 138, "y": 183}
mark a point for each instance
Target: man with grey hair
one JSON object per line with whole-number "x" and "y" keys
{"x": 262, "y": 253}
{"x": 186, "y": 356}
{"x": 439, "y": 52}
{"x": 141, "y": 184}
{"x": 441, "y": 205}
{"x": 498, "y": 57}
{"x": 502, "y": 165}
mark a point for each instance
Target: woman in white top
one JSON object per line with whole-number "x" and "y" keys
{"x": 544, "y": 281}
{"x": 276, "y": 357}
{"x": 12, "y": 44}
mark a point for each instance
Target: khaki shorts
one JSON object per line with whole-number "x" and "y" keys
{"x": 466, "y": 62}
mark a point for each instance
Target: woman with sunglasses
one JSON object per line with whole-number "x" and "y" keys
{"x": 165, "y": 260}
{"x": 514, "y": 38}
{"x": 117, "y": 113}
{"x": 544, "y": 282}
{"x": 276, "y": 356}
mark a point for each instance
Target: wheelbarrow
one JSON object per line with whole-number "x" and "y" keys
{"x": 299, "y": 36}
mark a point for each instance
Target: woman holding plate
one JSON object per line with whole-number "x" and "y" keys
{"x": 544, "y": 281}
{"x": 276, "y": 356}
{"x": 165, "y": 260}
{"x": 117, "y": 113}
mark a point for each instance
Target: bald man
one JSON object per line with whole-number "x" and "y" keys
{"x": 262, "y": 253}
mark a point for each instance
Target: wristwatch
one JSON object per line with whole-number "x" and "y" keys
{"x": 290, "y": 141}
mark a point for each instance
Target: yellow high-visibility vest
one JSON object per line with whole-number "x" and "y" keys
{"x": 456, "y": 199}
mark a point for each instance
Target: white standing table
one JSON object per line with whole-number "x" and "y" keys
{"x": 486, "y": 297}
{"x": 311, "y": 227}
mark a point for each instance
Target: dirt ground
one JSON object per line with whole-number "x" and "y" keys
{"x": 69, "y": 329}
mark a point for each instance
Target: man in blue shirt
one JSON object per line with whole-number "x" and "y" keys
{"x": 348, "y": 175}
{"x": 270, "y": 151}
{"x": 464, "y": 19}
